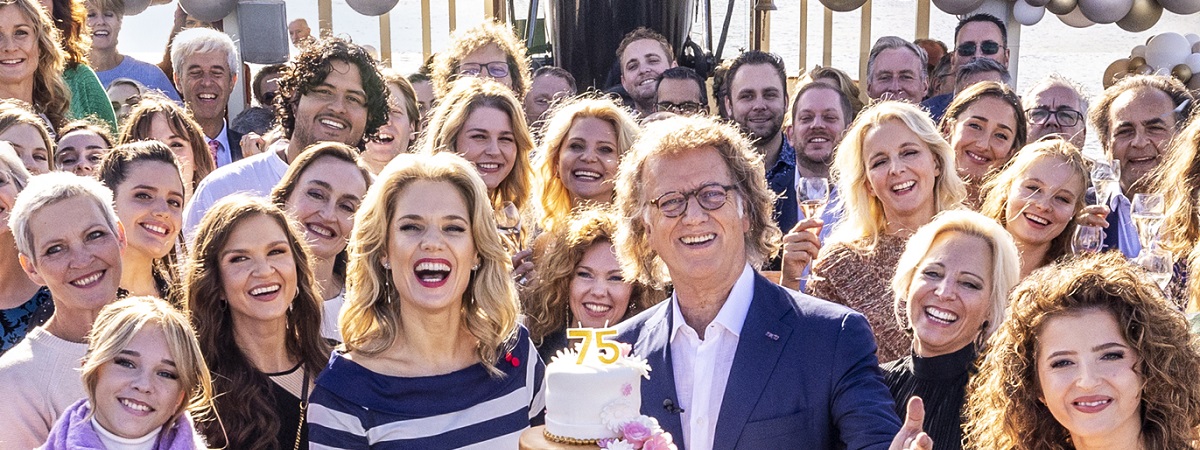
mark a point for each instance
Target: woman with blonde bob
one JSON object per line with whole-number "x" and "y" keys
{"x": 1036, "y": 198}
{"x": 481, "y": 121}
{"x": 1092, "y": 356}
{"x": 582, "y": 147}
{"x": 430, "y": 315}
{"x": 581, "y": 283}
{"x": 141, "y": 351}
{"x": 892, "y": 170}
{"x": 951, "y": 287}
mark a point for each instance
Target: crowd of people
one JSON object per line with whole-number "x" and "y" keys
{"x": 368, "y": 259}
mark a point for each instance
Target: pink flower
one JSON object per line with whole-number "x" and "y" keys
{"x": 661, "y": 441}
{"x": 626, "y": 390}
{"x": 636, "y": 432}
{"x": 625, "y": 349}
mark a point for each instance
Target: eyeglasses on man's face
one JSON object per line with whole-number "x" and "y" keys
{"x": 1064, "y": 115}
{"x": 711, "y": 196}
{"x": 495, "y": 69}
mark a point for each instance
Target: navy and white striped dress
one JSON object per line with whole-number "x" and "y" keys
{"x": 355, "y": 408}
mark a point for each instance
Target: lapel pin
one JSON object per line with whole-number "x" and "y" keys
{"x": 772, "y": 336}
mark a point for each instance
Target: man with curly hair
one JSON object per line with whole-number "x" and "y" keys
{"x": 331, "y": 91}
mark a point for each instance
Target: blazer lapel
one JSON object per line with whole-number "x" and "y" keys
{"x": 760, "y": 346}
{"x": 654, "y": 344}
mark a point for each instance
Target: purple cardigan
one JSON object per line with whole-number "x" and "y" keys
{"x": 74, "y": 431}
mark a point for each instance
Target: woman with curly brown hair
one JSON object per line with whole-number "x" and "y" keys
{"x": 580, "y": 282}
{"x": 1091, "y": 356}
{"x": 252, "y": 296}
{"x": 488, "y": 50}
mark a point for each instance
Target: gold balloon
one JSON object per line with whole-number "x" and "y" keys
{"x": 1143, "y": 15}
{"x": 1144, "y": 70}
{"x": 1118, "y": 67}
{"x": 843, "y": 5}
{"x": 1182, "y": 72}
{"x": 1061, "y": 7}
{"x": 1136, "y": 62}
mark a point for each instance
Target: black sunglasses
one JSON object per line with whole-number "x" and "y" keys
{"x": 968, "y": 48}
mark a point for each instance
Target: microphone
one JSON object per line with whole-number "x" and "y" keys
{"x": 671, "y": 408}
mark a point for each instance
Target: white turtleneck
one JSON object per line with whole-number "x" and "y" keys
{"x": 113, "y": 442}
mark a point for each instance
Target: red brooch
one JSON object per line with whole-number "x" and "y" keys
{"x": 515, "y": 361}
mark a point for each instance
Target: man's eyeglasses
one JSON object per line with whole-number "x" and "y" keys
{"x": 968, "y": 49}
{"x": 1065, "y": 116}
{"x": 685, "y": 108}
{"x": 711, "y": 197}
{"x": 496, "y": 69}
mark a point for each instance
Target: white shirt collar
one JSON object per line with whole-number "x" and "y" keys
{"x": 732, "y": 314}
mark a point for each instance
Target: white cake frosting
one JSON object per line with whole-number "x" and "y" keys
{"x": 579, "y": 397}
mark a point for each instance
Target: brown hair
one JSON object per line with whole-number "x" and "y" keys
{"x": 137, "y": 128}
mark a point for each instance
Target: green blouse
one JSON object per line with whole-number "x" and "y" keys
{"x": 88, "y": 97}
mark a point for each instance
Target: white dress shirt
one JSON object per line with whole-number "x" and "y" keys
{"x": 701, "y": 366}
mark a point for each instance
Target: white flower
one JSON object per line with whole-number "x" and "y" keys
{"x": 618, "y": 412}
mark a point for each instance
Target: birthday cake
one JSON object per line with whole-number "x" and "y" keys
{"x": 593, "y": 397}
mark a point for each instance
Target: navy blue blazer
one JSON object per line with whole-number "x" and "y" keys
{"x": 235, "y": 144}
{"x": 804, "y": 376}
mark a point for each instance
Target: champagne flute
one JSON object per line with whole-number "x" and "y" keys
{"x": 1106, "y": 177}
{"x": 812, "y": 194}
{"x": 1087, "y": 239}
{"x": 508, "y": 222}
{"x": 1159, "y": 265}
{"x": 1148, "y": 212}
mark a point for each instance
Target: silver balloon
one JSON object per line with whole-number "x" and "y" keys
{"x": 208, "y": 10}
{"x": 1027, "y": 14}
{"x": 1038, "y": 3}
{"x": 372, "y": 7}
{"x": 1076, "y": 19}
{"x": 1181, "y": 7}
{"x": 843, "y": 5}
{"x": 135, "y": 7}
{"x": 1105, "y": 11}
{"x": 1061, "y": 7}
{"x": 958, "y": 7}
{"x": 1143, "y": 15}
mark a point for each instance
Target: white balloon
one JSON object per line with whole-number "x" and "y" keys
{"x": 958, "y": 7}
{"x": 1027, "y": 14}
{"x": 1166, "y": 50}
{"x": 1192, "y": 37}
{"x": 1105, "y": 11}
{"x": 1138, "y": 50}
{"x": 1193, "y": 61}
{"x": 1076, "y": 19}
{"x": 1181, "y": 7}
{"x": 135, "y": 7}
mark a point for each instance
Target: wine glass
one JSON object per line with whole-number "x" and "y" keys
{"x": 812, "y": 194}
{"x": 1087, "y": 239}
{"x": 1148, "y": 213}
{"x": 1106, "y": 178}
{"x": 1159, "y": 264}
{"x": 508, "y": 222}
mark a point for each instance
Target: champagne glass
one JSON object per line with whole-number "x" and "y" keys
{"x": 508, "y": 222}
{"x": 812, "y": 194}
{"x": 1148, "y": 212}
{"x": 1159, "y": 264}
{"x": 1087, "y": 239}
{"x": 1106, "y": 177}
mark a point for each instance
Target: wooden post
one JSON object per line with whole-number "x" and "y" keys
{"x": 324, "y": 17}
{"x": 385, "y": 39}
{"x": 452, "y": 5}
{"x": 922, "y": 19}
{"x": 803, "y": 35}
{"x": 827, "y": 42}
{"x": 864, "y": 44}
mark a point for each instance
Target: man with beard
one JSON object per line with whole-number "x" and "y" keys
{"x": 331, "y": 91}
{"x": 644, "y": 55}
{"x": 757, "y": 101}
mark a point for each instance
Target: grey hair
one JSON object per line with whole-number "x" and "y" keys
{"x": 50, "y": 188}
{"x": 1055, "y": 80}
{"x": 982, "y": 65}
{"x": 890, "y": 42}
{"x": 203, "y": 40}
